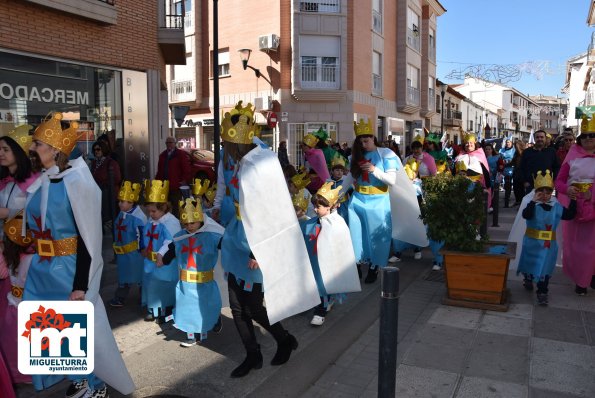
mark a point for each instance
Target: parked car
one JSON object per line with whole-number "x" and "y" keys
{"x": 202, "y": 162}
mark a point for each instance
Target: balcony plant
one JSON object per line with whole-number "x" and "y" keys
{"x": 476, "y": 274}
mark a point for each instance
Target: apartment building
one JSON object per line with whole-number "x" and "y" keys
{"x": 552, "y": 113}
{"x": 517, "y": 113}
{"x": 578, "y": 86}
{"x": 312, "y": 64}
{"x": 100, "y": 62}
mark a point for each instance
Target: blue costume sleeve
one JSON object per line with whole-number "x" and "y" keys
{"x": 390, "y": 163}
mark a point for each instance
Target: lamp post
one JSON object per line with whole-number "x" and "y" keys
{"x": 444, "y": 88}
{"x": 245, "y": 56}
{"x": 216, "y": 125}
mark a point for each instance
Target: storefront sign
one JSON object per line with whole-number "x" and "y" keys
{"x": 43, "y": 94}
{"x": 136, "y": 125}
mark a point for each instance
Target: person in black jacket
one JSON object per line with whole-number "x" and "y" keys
{"x": 538, "y": 157}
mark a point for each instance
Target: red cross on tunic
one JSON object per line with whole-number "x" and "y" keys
{"x": 365, "y": 174}
{"x": 314, "y": 237}
{"x": 121, "y": 228}
{"x": 234, "y": 181}
{"x": 151, "y": 235}
{"x": 191, "y": 249}
{"x": 547, "y": 243}
{"x": 39, "y": 234}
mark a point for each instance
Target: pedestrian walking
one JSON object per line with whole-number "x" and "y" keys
{"x": 174, "y": 166}
{"x": 538, "y": 157}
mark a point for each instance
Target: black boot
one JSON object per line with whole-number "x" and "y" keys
{"x": 359, "y": 270}
{"x": 593, "y": 282}
{"x": 284, "y": 349}
{"x": 253, "y": 361}
{"x": 372, "y": 275}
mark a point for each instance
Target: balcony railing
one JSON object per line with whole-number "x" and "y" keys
{"x": 321, "y": 77}
{"x": 413, "y": 39}
{"x": 188, "y": 20}
{"x": 182, "y": 90}
{"x": 320, "y": 6}
{"x": 376, "y": 21}
{"x": 412, "y": 96}
{"x": 172, "y": 18}
{"x": 376, "y": 84}
{"x": 457, "y": 115}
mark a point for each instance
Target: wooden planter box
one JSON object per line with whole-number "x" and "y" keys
{"x": 478, "y": 280}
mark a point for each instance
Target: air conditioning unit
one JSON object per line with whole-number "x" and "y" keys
{"x": 263, "y": 104}
{"x": 268, "y": 42}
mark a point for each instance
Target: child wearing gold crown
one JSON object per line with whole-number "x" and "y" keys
{"x": 159, "y": 283}
{"x": 300, "y": 196}
{"x": 16, "y": 255}
{"x": 128, "y": 230}
{"x": 314, "y": 162}
{"x": 196, "y": 248}
{"x": 542, "y": 215}
{"x": 330, "y": 250}
{"x": 338, "y": 172}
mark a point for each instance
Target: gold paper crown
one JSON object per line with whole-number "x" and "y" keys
{"x": 238, "y": 125}
{"x": 211, "y": 193}
{"x": 543, "y": 180}
{"x": 300, "y": 201}
{"x": 363, "y": 128}
{"x": 200, "y": 187}
{"x": 156, "y": 191}
{"x": 50, "y": 131}
{"x": 129, "y": 191}
{"x": 21, "y": 136}
{"x": 441, "y": 166}
{"x": 588, "y": 125}
{"x": 337, "y": 161}
{"x": 332, "y": 195}
{"x": 13, "y": 229}
{"x": 419, "y": 138}
{"x": 301, "y": 180}
{"x": 190, "y": 211}
{"x": 310, "y": 140}
{"x": 469, "y": 137}
{"x": 460, "y": 166}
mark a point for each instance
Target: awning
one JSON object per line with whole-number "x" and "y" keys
{"x": 584, "y": 111}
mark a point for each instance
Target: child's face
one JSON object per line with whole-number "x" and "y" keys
{"x": 292, "y": 188}
{"x": 125, "y": 205}
{"x": 192, "y": 226}
{"x": 543, "y": 195}
{"x": 337, "y": 173}
{"x": 154, "y": 212}
{"x": 299, "y": 212}
{"x": 322, "y": 211}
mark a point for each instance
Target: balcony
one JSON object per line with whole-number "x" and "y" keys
{"x": 320, "y": 6}
{"x": 170, "y": 34}
{"x": 453, "y": 118}
{"x": 413, "y": 39}
{"x": 412, "y": 96}
{"x": 103, "y": 11}
{"x": 376, "y": 84}
{"x": 322, "y": 77}
{"x": 182, "y": 91}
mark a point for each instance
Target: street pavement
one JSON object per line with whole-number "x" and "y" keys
{"x": 443, "y": 351}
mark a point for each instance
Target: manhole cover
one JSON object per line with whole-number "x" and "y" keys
{"x": 434, "y": 276}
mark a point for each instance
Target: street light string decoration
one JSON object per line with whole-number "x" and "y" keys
{"x": 502, "y": 74}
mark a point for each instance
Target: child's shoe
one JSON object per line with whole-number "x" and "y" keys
{"x": 436, "y": 266}
{"x": 528, "y": 284}
{"x": 218, "y": 326}
{"x": 99, "y": 393}
{"x": 542, "y": 299}
{"x": 372, "y": 275}
{"x": 149, "y": 317}
{"x": 77, "y": 389}
{"x": 581, "y": 291}
{"x": 317, "y": 320}
{"x": 417, "y": 255}
{"x": 395, "y": 259}
{"x": 116, "y": 302}
{"x": 188, "y": 343}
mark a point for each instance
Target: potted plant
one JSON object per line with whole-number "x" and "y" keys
{"x": 476, "y": 269}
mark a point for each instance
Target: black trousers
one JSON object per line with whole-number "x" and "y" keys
{"x": 247, "y": 307}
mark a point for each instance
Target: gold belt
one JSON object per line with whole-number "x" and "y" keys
{"x": 237, "y": 205}
{"x": 60, "y": 247}
{"x": 16, "y": 291}
{"x": 582, "y": 186}
{"x": 127, "y": 248}
{"x": 154, "y": 256}
{"x": 196, "y": 276}
{"x": 371, "y": 190}
{"x": 540, "y": 234}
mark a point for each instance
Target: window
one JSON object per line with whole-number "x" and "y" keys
{"x": 432, "y": 45}
{"x": 412, "y": 85}
{"x": 376, "y": 73}
{"x": 431, "y": 92}
{"x": 319, "y": 6}
{"x": 413, "y": 29}
{"x": 223, "y": 68}
{"x": 377, "y": 16}
{"x": 320, "y": 62}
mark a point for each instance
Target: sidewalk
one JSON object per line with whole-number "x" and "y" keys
{"x": 529, "y": 351}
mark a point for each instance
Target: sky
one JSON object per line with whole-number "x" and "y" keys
{"x": 524, "y": 42}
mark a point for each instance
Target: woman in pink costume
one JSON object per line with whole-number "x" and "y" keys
{"x": 316, "y": 162}
{"x": 576, "y": 176}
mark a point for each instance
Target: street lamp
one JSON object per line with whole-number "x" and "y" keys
{"x": 245, "y": 56}
{"x": 444, "y": 88}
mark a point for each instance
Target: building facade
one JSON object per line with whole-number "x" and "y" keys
{"x": 552, "y": 113}
{"x": 100, "y": 62}
{"x": 320, "y": 63}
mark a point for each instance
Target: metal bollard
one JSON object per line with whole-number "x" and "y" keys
{"x": 496, "y": 205}
{"x": 483, "y": 228}
{"x": 389, "y": 323}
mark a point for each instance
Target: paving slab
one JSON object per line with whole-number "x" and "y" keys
{"x": 516, "y": 310}
{"x": 561, "y": 377}
{"x": 415, "y": 382}
{"x": 473, "y": 387}
{"x": 456, "y": 317}
{"x": 539, "y": 393}
{"x": 505, "y": 325}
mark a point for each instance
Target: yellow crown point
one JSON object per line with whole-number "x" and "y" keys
{"x": 301, "y": 180}
{"x": 299, "y": 200}
{"x": 238, "y": 125}
{"x": 544, "y": 180}
{"x": 440, "y": 166}
{"x": 419, "y": 138}
{"x": 588, "y": 125}
{"x": 363, "y": 128}
{"x": 330, "y": 194}
{"x": 190, "y": 211}
{"x": 21, "y": 136}
{"x": 310, "y": 140}
{"x": 469, "y": 137}
{"x": 200, "y": 187}
{"x": 156, "y": 191}
{"x": 50, "y": 131}
{"x": 129, "y": 191}
{"x": 211, "y": 192}
{"x": 13, "y": 229}
{"x": 338, "y": 161}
